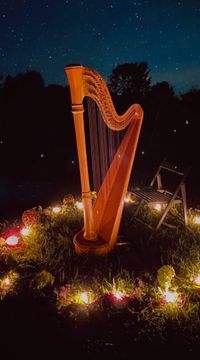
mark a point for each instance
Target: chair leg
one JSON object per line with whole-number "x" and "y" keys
{"x": 138, "y": 207}
{"x": 164, "y": 214}
{"x": 183, "y": 193}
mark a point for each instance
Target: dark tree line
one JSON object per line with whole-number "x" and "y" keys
{"x": 37, "y": 132}
{"x": 171, "y": 125}
{"x": 36, "y": 127}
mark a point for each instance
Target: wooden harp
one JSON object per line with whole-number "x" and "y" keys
{"x": 102, "y": 219}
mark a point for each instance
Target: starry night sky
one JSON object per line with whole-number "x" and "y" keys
{"x": 46, "y": 35}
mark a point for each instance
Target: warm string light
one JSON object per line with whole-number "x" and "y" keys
{"x": 197, "y": 220}
{"x": 85, "y": 298}
{"x": 168, "y": 295}
{"x": 12, "y": 240}
{"x": 196, "y": 280}
{"x": 157, "y": 207}
{"x": 6, "y": 282}
{"x": 25, "y": 231}
{"x": 56, "y": 209}
{"x": 118, "y": 295}
{"x": 79, "y": 205}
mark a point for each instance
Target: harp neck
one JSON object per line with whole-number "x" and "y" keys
{"x": 87, "y": 82}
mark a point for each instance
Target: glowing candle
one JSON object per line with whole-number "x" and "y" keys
{"x": 12, "y": 240}
{"x": 118, "y": 295}
{"x": 56, "y": 209}
{"x": 197, "y": 280}
{"x": 157, "y": 207}
{"x": 79, "y": 205}
{"x": 84, "y": 297}
{"x": 170, "y": 296}
{"x": 25, "y": 231}
{"x": 197, "y": 220}
{"x": 6, "y": 281}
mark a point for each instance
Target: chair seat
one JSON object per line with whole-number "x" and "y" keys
{"x": 155, "y": 196}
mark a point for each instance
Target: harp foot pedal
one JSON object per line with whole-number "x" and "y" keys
{"x": 90, "y": 247}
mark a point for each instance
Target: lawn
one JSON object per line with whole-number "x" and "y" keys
{"x": 142, "y": 298}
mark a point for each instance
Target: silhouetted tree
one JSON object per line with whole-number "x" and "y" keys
{"x": 1, "y": 81}
{"x": 191, "y": 121}
{"x": 157, "y": 139}
{"x": 35, "y": 120}
{"x": 129, "y": 83}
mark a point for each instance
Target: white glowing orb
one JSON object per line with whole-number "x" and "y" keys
{"x": 84, "y": 297}
{"x": 170, "y": 296}
{"x": 25, "y": 231}
{"x": 118, "y": 295}
{"x": 6, "y": 281}
{"x": 12, "y": 240}
{"x": 56, "y": 209}
{"x": 157, "y": 207}
{"x": 79, "y": 205}
{"x": 197, "y": 280}
{"x": 197, "y": 220}
{"x": 127, "y": 199}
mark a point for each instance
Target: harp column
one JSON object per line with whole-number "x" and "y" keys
{"x": 74, "y": 74}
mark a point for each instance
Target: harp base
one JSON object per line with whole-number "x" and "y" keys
{"x": 90, "y": 247}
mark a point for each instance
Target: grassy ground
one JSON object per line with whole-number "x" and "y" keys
{"x": 41, "y": 309}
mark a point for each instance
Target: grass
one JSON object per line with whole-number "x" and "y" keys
{"x": 47, "y": 268}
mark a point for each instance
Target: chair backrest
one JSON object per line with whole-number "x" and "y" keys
{"x": 173, "y": 168}
{"x": 181, "y": 171}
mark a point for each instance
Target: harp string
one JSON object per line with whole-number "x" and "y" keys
{"x": 94, "y": 145}
{"x": 104, "y": 143}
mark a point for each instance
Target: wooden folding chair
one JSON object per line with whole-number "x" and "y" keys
{"x": 157, "y": 196}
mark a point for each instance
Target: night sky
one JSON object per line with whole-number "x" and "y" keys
{"x": 46, "y": 35}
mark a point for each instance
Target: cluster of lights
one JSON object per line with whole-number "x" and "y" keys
{"x": 168, "y": 296}
{"x": 14, "y": 239}
{"x": 86, "y": 297}
{"x": 58, "y": 209}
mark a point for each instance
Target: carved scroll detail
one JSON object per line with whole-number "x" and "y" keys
{"x": 95, "y": 87}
